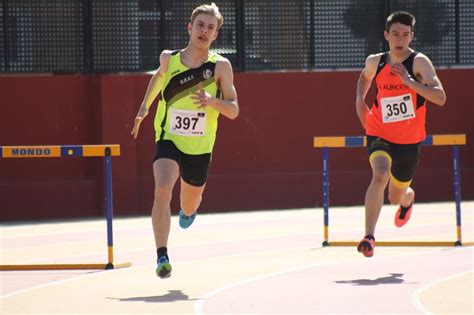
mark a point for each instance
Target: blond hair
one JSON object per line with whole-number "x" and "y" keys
{"x": 210, "y": 9}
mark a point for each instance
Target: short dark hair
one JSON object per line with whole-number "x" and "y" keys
{"x": 401, "y": 17}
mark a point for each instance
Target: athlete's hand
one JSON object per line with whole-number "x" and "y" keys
{"x": 138, "y": 120}
{"x": 362, "y": 111}
{"x": 201, "y": 97}
{"x": 136, "y": 127}
{"x": 399, "y": 70}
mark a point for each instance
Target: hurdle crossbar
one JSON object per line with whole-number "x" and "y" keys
{"x": 361, "y": 141}
{"x": 59, "y": 151}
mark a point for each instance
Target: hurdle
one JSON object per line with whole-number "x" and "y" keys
{"x": 324, "y": 143}
{"x": 65, "y": 151}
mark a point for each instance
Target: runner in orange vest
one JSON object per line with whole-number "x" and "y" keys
{"x": 395, "y": 123}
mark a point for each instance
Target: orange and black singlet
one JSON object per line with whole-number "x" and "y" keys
{"x": 398, "y": 113}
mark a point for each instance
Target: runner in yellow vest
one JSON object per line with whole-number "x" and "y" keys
{"x": 194, "y": 86}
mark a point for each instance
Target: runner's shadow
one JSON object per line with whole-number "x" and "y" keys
{"x": 171, "y": 296}
{"x": 394, "y": 278}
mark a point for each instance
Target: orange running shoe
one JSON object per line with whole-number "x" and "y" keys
{"x": 366, "y": 246}
{"x": 403, "y": 214}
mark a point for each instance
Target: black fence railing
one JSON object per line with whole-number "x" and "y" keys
{"x": 110, "y": 36}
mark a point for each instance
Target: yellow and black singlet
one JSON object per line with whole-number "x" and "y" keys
{"x": 192, "y": 129}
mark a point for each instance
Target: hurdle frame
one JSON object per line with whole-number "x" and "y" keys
{"x": 58, "y": 151}
{"x": 324, "y": 143}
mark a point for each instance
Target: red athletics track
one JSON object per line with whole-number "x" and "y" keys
{"x": 247, "y": 262}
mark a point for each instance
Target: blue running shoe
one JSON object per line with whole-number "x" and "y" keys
{"x": 184, "y": 220}
{"x": 164, "y": 268}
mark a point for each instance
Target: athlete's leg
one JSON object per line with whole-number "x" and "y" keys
{"x": 166, "y": 173}
{"x": 194, "y": 173}
{"x": 404, "y": 164}
{"x": 191, "y": 197}
{"x": 403, "y": 195}
{"x": 374, "y": 197}
{"x": 405, "y": 198}
{"x": 400, "y": 195}
{"x": 380, "y": 162}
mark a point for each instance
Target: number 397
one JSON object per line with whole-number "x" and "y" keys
{"x": 186, "y": 122}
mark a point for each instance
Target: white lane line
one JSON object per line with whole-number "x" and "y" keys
{"x": 416, "y": 297}
{"x": 100, "y": 272}
{"x": 199, "y": 305}
{"x": 294, "y": 234}
{"x": 55, "y": 283}
{"x": 148, "y": 248}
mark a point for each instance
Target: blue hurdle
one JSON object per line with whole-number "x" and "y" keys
{"x": 360, "y": 141}
{"x": 106, "y": 151}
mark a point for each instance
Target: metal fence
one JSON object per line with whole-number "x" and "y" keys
{"x": 110, "y": 36}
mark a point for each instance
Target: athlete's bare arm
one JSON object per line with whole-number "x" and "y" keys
{"x": 363, "y": 85}
{"x": 430, "y": 86}
{"x": 154, "y": 87}
{"x": 228, "y": 105}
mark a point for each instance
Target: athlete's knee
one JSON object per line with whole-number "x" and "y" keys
{"x": 381, "y": 176}
{"x": 163, "y": 192}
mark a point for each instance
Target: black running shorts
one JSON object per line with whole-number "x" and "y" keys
{"x": 193, "y": 169}
{"x": 404, "y": 158}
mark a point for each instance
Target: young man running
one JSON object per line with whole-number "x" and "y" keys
{"x": 395, "y": 123}
{"x": 195, "y": 86}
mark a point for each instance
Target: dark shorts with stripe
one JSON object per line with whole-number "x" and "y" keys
{"x": 193, "y": 169}
{"x": 405, "y": 157}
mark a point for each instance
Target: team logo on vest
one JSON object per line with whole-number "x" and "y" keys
{"x": 186, "y": 79}
{"x": 390, "y": 87}
{"x": 206, "y": 74}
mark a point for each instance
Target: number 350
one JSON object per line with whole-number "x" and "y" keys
{"x": 396, "y": 109}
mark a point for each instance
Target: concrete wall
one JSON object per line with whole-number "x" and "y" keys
{"x": 262, "y": 160}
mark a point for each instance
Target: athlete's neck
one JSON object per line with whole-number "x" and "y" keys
{"x": 193, "y": 58}
{"x": 399, "y": 57}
